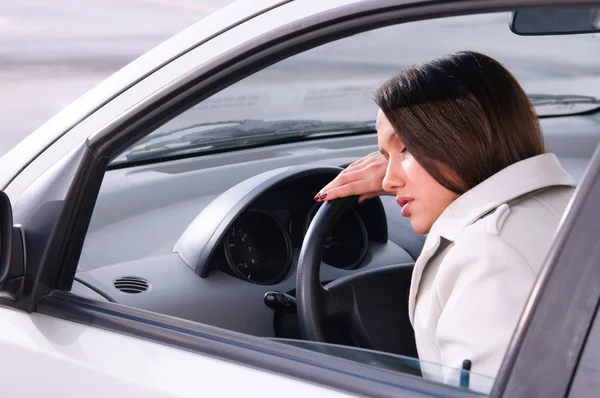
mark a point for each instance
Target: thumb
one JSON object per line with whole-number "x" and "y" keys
{"x": 368, "y": 196}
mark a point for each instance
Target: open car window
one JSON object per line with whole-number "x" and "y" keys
{"x": 141, "y": 212}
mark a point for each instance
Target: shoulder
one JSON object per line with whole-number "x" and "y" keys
{"x": 478, "y": 258}
{"x": 522, "y": 228}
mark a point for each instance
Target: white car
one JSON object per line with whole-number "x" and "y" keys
{"x": 159, "y": 236}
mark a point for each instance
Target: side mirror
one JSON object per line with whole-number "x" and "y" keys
{"x": 12, "y": 264}
{"x": 564, "y": 21}
{"x": 6, "y": 237}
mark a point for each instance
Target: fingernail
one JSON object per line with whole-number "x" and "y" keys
{"x": 323, "y": 196}
{"x": 317, "y": 196}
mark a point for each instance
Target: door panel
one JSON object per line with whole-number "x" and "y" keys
{"x": 46, "y": 356}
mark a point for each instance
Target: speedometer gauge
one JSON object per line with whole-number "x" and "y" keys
{"x": 347, "y": 244}
{"x": 258, "y": 248}
{"x": 243, "y": 252}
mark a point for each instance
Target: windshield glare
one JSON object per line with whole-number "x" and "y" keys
{"x": 335, "y": 82}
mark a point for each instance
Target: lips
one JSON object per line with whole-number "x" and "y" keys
{"x": 404, "y": 202}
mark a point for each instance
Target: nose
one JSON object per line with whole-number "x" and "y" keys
{"x": 393, "y": 178}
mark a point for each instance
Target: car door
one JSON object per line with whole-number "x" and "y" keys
{"x": 98, "y": 343}
{"x": 48, "y": 356}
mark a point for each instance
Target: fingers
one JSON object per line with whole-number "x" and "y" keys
{"x": 353, "y": 188}
{"x": 364, "y": 176}
{"x": 345, "y": 177}
{"x": 356, "y": 171}
{"x": 368, "y": 196}
{"x": 361, "y": 187}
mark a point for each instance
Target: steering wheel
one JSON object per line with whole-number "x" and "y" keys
{"x": 317, "y": 304}
{"x": 371, "y": 305}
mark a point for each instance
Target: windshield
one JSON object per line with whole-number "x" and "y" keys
{"x": 328, "y": 90}
{"x": 400, "y": 364}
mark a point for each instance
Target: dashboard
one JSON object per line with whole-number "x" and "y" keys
{"x": 252, "y": 230}
{"x": 260, "y": 244}
{"x": 207, "y": 250}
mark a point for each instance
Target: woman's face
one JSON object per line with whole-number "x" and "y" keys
{"x": 421, "y": 197}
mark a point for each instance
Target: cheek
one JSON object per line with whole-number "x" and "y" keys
{"x": 416, "y": 175}
{"x": 433, "y": 196}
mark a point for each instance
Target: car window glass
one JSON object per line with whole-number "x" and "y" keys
{"x": 334, "y": 83}
{"x": 401, "y": 364}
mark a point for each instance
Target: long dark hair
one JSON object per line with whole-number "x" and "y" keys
{"x": 465, "y": 111}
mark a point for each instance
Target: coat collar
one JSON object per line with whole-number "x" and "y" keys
{"x": 516, "y": 180}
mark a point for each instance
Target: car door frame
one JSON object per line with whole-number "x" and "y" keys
{"x": 68, "y": 191}
{"x": 561, "y": 309}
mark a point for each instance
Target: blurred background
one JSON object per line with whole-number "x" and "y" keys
{"x": 51, "y": 52}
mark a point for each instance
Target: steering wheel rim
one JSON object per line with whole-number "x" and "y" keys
{"x": 316, "y": 303}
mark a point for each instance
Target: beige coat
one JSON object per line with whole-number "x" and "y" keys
{"x": 480, "y": 261}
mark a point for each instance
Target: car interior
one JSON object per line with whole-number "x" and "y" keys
{"x": 206, "y": 217}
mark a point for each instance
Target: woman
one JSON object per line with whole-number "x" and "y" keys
{"x": 462, "y": 151}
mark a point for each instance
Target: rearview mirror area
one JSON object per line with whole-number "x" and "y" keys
{"x": 564, "y": 21}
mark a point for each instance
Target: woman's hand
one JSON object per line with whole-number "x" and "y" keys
{"x": 363, "y": 178}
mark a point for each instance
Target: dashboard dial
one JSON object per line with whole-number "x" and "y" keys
{"x": 347, "y": 244}
{"x": 243, "y": 252}
{"x": 258, "y": 248}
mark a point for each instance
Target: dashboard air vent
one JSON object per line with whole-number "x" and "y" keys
{"x": 131, "y": 284}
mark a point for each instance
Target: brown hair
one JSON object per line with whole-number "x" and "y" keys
{"x": 464, "y": 111}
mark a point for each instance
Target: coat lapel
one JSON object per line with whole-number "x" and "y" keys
{"x": 429, "y": 248}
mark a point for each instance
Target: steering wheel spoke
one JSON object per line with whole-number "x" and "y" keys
{"x": 342, "y": 307}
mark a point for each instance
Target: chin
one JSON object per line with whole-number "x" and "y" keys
{"x": 420, "y": 227}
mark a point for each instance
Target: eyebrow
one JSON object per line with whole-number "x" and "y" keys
{"x": 391, "y": 138}
{"x": 389, "y": 141}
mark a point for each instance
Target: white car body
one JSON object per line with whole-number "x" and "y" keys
{"x": 75, "y": 360}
